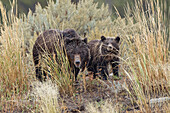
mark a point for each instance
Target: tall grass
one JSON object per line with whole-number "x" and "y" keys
{"x": 14, "y": 79}
{"x": 59, "y": 71}
{"x": 148, "y": 55}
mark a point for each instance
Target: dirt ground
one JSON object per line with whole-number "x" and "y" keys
{"x": 98, "y": 91}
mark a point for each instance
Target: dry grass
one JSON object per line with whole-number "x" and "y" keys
{"x": 148, "y": 56}
{"x": 144, "y": 55}
{"x": 60, "y": 74}
{"x": 46, "y": 95}
{"x": 14, "y": 79}
{"x": 102, "y": 107}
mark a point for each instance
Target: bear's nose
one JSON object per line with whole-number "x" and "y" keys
{"x": 77, "y": 62}
{"x": 110, "y": 47}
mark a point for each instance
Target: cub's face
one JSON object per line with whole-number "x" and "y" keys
{"x": 77, "y": 52}
{"x": 110, "y": 45}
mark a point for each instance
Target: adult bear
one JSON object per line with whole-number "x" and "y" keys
{"x": 104, "y": 52}
{"x": 52, "y": 41}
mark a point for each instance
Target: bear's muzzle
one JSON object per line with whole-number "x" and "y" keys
{"x": 77, "y": 60}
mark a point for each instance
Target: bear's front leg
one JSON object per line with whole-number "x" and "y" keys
{"x": 76, "y": 72}
{"x": 95, "y": 72}
{"x": 103, "y": 70}
{"x": 115, "y": 68}
{"x": 39, "y": 74}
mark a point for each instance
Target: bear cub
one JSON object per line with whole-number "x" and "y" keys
{"x": 104, "y": 52}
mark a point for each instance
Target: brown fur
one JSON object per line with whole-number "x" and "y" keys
{"x": 104, "y": 52}
{"x": 51, "y": 41}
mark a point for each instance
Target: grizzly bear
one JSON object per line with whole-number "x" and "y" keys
{"x": 52, "y": 41}
{"x": 104, "y": 52}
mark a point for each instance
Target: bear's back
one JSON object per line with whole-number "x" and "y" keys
{"x": 93, "y": 44}
{"x": 47, "y": 39}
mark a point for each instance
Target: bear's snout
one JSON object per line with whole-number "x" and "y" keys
{"x": 109, "y": 47}
{"x": 77, "y": 60}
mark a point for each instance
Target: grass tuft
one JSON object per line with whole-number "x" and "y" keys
{"x": 46, "y": 95}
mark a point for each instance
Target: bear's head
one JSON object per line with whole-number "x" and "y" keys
{"x": 109, "y": 45}
{"x": 78, "y": 52}
{"x": 70, "y": 33}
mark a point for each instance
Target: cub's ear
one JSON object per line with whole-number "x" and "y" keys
{"x": 117, "y": 39}
{"x": 103, "y": 38}
{"x": 67, "y": 40}
{"x": 66, "y": 34}
{"x": 85, "y": 40}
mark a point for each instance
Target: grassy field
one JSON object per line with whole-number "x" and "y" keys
{"x": 144, "y": 67}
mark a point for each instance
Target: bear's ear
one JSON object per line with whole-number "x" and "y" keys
{"x": 67, "y": 40}
{"x": 85, "y": 40}
{"x": 66, "y": 34}
{"x": 117, "y": 39}
{"x": 103, "y": 38}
